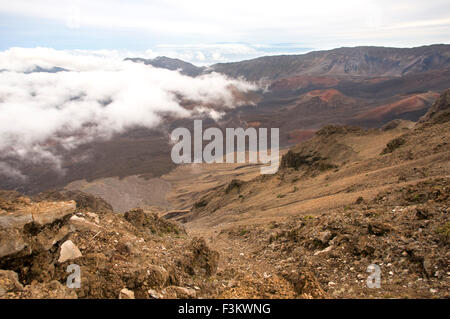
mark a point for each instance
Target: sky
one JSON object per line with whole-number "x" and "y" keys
{"x": 206, "y": 31}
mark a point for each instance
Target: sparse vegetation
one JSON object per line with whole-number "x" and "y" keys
{"x": 201, "y": 203}
{"x": 444, "y": 230}
{"x": 393, "y": 145}
{"x": 234, "y": 184}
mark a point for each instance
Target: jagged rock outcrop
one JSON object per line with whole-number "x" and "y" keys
{"x": 439, "y": 112}
{"x": 33, "y": 227}
{"x": 85, "y": 201}
{"x": 118, "y": 255}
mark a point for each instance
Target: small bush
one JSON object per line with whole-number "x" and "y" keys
{"x": 200, "y": 203}
{"x": 393, "y": 145}
{"x": 235, "y": 183}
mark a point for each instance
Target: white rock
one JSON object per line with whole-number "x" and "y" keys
{"x": 154, "y": 294}
{"x": 323, "y": 251}
{"x": 68, "y": 251}
{"x": 126, "y": 294}
{"x": 82, "y": 224}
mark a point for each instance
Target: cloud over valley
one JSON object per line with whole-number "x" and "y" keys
{"x": 54, "y": 100}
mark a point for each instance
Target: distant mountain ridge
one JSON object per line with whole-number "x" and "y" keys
{"x": 163, "y": 62}
{"x": 363, "y": 61}
{"x": 357, "y": 61}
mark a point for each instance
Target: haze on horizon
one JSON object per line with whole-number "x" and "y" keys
{"x": 206, "y": 32}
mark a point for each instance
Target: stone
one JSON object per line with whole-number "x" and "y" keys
{"x": 325, "y": 236}
{"x": 9, "y": 282}
{"x": 47, "y": 212}
{"x": 69, "y": 251}
{"x": 47, "y": 240}
{"x": 323, "y": 251}
{"x": 181, "y": 292}
{"x": 94, "y": 216}
{"x": 154, "y": 294}
{"x": 14, "y": 219}
{"x": 157, "y": 276}
{"x": 82, "y": 224}
{"x": 378, "y": 229}
{"x": 126, "y": 294}
{"x": 11, "y": 242}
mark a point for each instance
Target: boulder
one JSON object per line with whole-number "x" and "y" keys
{"x": 48, "y": 212}
{"x": 15, "y": 219}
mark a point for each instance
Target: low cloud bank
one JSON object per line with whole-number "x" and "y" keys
{"x": 52, "y": 99}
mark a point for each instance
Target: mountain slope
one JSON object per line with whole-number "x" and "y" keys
{"x": 358, "y": 61}
{"x": 341, "y": 201}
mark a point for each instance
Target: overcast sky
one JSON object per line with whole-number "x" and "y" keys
{"x": 209, "y": 31}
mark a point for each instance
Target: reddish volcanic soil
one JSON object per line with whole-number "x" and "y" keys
{"x": 326, "y": 95}
{"x": 409, "y": 104}
{"x": 299, "y": 82}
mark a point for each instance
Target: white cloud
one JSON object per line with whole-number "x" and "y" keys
{"x": 319, "y": 24}
{"x": 11, "y": 172}
{"x": 100, "y": 95}
{"x": 204, "y": 54}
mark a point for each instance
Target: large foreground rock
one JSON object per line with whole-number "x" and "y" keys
{"x": 31, "y": 226}
{"x": 48, "y": 212}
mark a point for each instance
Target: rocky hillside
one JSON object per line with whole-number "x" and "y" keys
{"x": 131, "y": 255}
{"x": 137, "y": 254}
{"x": 342, "y": 201}
{"x": 440, "y": 110}
{"x": 358, "y": 61}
